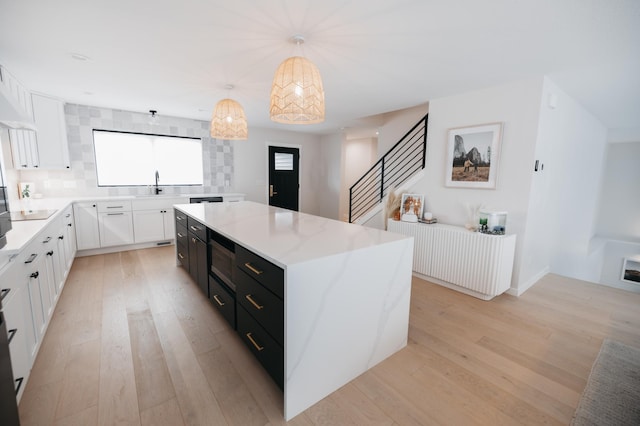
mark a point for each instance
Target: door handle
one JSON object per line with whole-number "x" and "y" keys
{"x": 271, "y": 191}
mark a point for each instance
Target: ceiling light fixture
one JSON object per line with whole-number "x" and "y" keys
{"x": 154, "y": 118}
{"x": 229, "y": 121}
{"x": 297, "y": 95}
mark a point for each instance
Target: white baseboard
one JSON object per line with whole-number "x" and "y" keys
{"x": 527, "y": 285}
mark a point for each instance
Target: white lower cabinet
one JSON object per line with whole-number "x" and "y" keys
{"x": 153, "y": 219}
{"x": 115, "y": 222}
{"x": 31, "y": 285}
{"x": 18, "y": 331}
{"x": 86, "y": 225}
{"x": 148, "y": 225}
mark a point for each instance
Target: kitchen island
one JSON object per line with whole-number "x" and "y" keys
{"x": 346, "y": 291}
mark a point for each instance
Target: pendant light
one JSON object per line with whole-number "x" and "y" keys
{"x": 229, "y": 121}
{"x": 297, "y": 95}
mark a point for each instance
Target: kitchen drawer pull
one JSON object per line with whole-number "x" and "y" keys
{"x": 194, "y": 228}
{"x": 61, "y": 237}
{"x": 180, "y": 235}
{"x": 12, "y": 333}
{"x": 3, "y": 293}
{"x": 31, "y": 258}
{"x": 180, "y": 256}
{"x": 253, "y": 269}
{"x": 215, "y": 297}
{"x": 47, "y": 240}
{"x": 19, "y": 380}
{"x": 68, "y": 214}
{"x": 258, "y": 347}
{"x": 50, "y": 253}
{"x": 36, "y": 274}
{"x": 179, "y": 218}
{"x": 115, "y": 207}
{"x": 68, "y": 224}
{"x": 193, "y": 240}
{"x": 253, "y": 302}
{"x": 115, "y": 214}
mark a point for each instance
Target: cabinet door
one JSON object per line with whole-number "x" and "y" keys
{"x": 24, "y": 149}
{"x": 51, "y": 137}
{"x": 198, "y": 263}
{"x": 87, "y": 228}
{"x": 17, "y": 331}
{"x": 148, "y": 225}
{"x": 49, "y": 288}
{"x": 69, "y": 239}
{"x": 38, "y": 303}
{"x": 169, "y": 223}
{"x": 116, "y": 229}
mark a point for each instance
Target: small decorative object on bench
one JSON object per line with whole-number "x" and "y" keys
{"x": 491, "y": 222}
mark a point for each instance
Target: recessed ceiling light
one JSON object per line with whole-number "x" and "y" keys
{"x": 79, "y": 57}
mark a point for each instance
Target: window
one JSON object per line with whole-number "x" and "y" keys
{"x": 132, "y": 159}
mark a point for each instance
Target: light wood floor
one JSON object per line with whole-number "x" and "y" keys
{"x": 132, "y": 341}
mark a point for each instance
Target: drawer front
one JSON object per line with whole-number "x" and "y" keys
{"x": 265, "y": 272}
{"x": 181, "y": 218}
{"x": 182, "y": 253}
{"x": 223, "y": 301}
{"x": 264, "y": 348}
{"x": 114, "y": 206}
{"x": 182, "y": 236}
{"x": 197, "y": 228}
{"x": 264, "y": 306}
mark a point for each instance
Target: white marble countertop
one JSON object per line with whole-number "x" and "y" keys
{"x": 283, "y": 236}
{"x": 23, "y": 232}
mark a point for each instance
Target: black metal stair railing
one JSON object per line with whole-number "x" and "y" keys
{"x": 401, "y": 162}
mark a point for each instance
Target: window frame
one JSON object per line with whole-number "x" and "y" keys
{"x": 151, "y": 135}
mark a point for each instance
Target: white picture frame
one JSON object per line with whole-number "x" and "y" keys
{"x": 473, "y": 154}
{"x": 631, "y": 270}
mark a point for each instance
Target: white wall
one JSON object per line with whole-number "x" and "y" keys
{"x": 619, "y": 215}
{"x": 396, "y": 125}
{"x": 575, "y": 164}
{"x": 250, "y": 167}
{"x": 358, "y": 155}
{"x": 517, "y": 106}
{"x": 330, "y": 172}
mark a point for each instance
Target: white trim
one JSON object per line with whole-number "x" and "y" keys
{"x": 526, "y": 286}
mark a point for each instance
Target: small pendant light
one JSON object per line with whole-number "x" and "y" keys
{"x": 229, "y": 121}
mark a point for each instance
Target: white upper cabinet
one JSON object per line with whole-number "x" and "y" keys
{"x": 51, "y": 137}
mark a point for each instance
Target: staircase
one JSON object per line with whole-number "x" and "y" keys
{"x": 403, "y": 161}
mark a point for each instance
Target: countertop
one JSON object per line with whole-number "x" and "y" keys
{"x": 23, "y": 232}
{"x": 283, "y": 236}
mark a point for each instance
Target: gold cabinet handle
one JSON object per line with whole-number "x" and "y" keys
{"x": 215, "y": 297}
{"x": 180, "y": 235}
{"x": 180, "y": 256}
{"x": 253, "y": 302}
{"x": 254, "y": 270}
{"x": 257, "y": 346}
{"x": 193, "y": 240}
{"x": 271, "y": 191}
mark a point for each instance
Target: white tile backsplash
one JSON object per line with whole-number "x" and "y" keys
{"x": 81, "y": 180}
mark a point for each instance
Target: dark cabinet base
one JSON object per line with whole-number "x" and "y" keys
{"x": 261, "y": 344}
{"x": 223, "y": 300}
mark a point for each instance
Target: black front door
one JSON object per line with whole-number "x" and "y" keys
{"x": 284, "y": 177}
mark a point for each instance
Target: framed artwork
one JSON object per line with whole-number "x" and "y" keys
{"x": 411, "y": 207}
{"x": 631, "y": 270}
{"x": 472, "y": 156}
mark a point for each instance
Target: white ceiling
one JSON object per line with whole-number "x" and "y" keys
{"x": 375, "y": 56}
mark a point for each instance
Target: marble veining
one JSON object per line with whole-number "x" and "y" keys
{"x": 283, "y": 236}
{"x": 347, "y": 291}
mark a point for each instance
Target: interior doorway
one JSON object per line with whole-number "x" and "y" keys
{"x": 284, "y": 177}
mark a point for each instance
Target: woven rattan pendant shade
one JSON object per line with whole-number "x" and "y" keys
{"x": 297, "y": 96}
{"x": 228, "y": 121}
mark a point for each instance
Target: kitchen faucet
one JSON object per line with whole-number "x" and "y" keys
{"x": 158, "y": 190}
